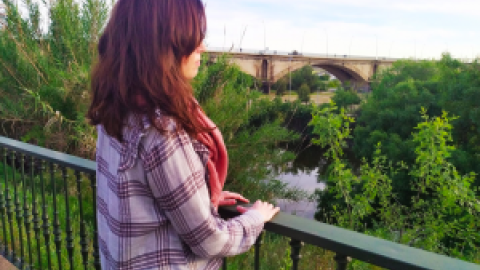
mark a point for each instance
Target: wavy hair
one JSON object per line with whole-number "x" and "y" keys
{"x": 139, "y": 58}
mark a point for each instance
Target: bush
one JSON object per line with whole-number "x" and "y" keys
{"x": 281, "y": 87}
{"x": 390, "y": 114}
{"x": 442, "y": 214}
{"x": 304, "y": 93}
{"x": 45, "y": 74}
{"x": 345, "y": 99}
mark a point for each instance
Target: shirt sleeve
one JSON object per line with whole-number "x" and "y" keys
{"x": 176, "y": 176}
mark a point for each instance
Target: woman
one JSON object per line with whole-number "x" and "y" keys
{"x": 161, "y": 163}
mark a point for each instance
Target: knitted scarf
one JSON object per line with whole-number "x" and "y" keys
{"x": 217, "y": 163}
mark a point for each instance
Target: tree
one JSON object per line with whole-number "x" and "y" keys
{"x": 304, "y": 93}
{"x": 345, "y": 99}
{"x": 281, "y": 87}
{"x": 305, "y": 75}
{"x": 442, "y": 213}
{"x": 335, "y": 83}
{"x": 390, "y": 114}
{"x": 323, "y": 82}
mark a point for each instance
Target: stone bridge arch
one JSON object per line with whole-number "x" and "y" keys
{"x": 269, "y": 68}
{"x": 343, "y": 72}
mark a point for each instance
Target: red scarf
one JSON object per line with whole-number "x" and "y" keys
{"x": 217, "y": 163}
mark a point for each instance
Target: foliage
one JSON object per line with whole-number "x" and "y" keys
{"x": 281, "y": 87}
{"x": 335, "y": 83}
{"x": 443, "y": 213}
{"x": 45, "y": 72}
{"x": 390, "y": 114}
{"x": 304, "y": 93}
{"x": 305, "y": 75}
{"x": 346, "y": 99}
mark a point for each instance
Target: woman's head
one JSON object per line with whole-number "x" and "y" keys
{"x": 148, "y": 53}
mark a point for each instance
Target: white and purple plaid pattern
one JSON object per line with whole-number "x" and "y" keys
{"x": 153, "y": 206}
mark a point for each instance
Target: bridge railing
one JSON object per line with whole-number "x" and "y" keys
{"x": 48, "y": 220}
{"x": 297, "y": 54}
{"x": 321, "y": 55}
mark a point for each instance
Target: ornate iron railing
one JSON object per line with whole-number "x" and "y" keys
{"x": 48, "y": 221}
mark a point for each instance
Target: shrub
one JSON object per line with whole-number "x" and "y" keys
{"x": 443, "y": 213}
{"x": 304, "y": 93}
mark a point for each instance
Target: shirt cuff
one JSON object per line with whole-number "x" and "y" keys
{"x": 256, "y": 216}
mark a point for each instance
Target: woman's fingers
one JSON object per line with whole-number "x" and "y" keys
{"x": 227, "y": 202}
{"x": 267, "y": 210}
{"x": 233, "y": 195}
{"x": 242, "y": 209}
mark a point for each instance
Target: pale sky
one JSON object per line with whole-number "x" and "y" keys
{"x": 383, "y": 28}
{"x": 389, "y": 28}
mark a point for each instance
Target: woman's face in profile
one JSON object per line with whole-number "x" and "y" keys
{"x": 190, "y": 64}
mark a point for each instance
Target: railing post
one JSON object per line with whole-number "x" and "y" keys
{"x": 18, "y": 211}
{"x": 36, "y": 221}
{"x": 83, "y": 235}
{"x": 26, "y": 217}
{"x": 96, "y": 255}
{"x": 342, "y": 261}
{"x": 8, "y": 199}
{"x": 68, "y": 228}
{"x": 3, "y": 209}
{"x": 45, "y": 221}
{"x": 56, "y": 223}
{"x": 295, "y": 255}
{"x": 258, "y": 243}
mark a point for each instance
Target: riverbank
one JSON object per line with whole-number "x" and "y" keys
{"x": 317, "y": 98}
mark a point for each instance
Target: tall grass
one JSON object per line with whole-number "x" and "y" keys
{"x": 45, "y": 72}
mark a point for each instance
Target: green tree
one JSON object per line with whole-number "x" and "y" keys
{"x": 335, "y": 83}
{"x": 443, "y": 213}
{"x": 281, "y": 87}
{"x": 323, "y": 82}
{"x": 304, "y": 93}
{"x": 305, "y": 75}
{"x": 346, "y": 99}
{"x": 390, "y": 113}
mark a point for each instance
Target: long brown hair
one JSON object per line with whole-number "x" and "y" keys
{"x": 140, "y": 53}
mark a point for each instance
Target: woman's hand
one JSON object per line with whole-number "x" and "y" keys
{"x": 230, "y": 198}
{"x": 267, "y": 210}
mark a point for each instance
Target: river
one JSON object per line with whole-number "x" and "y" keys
{"x": 303, "y": 173}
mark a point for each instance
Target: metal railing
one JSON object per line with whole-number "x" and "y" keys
{"x": 295, "y": 53}
{"x": 37, "y": 184}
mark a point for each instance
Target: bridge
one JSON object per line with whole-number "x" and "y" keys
{"x": 269, "y": 66}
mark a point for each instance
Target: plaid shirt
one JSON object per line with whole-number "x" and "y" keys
{"x": 153, "y": 206}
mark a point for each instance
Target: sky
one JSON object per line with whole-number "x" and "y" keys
{"x": 383, "y": 28}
